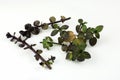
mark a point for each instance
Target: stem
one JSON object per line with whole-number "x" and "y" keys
{"x": 52, "y": 43}
{"x": 32, "y": 49}
{"x": 55, "y": 22}
{"x": 55, "y": 43}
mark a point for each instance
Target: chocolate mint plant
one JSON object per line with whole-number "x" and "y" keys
{"x": 37, "y": 26}
{"x": 25, "y": 45}
{"x": 35, "y": 29}
{"x": 73, "y": 44}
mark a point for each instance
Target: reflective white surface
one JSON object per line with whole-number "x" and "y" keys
{"x": 19, "y": 64}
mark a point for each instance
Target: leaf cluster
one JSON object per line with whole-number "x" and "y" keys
{"x": 76, "y": 44}
{"x": 73, "y": 44}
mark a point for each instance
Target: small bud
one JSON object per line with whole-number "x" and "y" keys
{"x": 52, "y": 58}
{"x": 42, "y": 64}
{"x": 8, "y": 35}
{"x": 80, "y": 21}
{"x": 62, "y": 18}
{"x": 21, "y": 45}
{"x": 39, "y": 51}
{"x": 37, "y": 57}
{"x": 36, "y": 23}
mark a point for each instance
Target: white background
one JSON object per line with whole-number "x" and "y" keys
{"x": 19, "y": 64}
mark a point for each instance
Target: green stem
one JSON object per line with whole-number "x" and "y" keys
{"x": 53, "y": 43}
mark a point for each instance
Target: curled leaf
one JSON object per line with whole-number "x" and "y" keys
{"x": 36, "y": 23}
{"x": 70, "y": 36}
{"x": 45, "y": 26}
{"x": 52, "y": 19}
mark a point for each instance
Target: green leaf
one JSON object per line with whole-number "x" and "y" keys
{"x": 50, "y": 44}
{"x": 72, "y": 47}
{"x": 85, "y": 23}
{"x": 77, "y": 41}
{"x": 81, "y": 35}
{"x": 69, "y": 56}
{"x": 93, "y": 41}
{"x": 55, "y": 26}
{"x": 86, "y": 55}
{"x": 60, "y": 40}
{"x": 84, "y": 28}
{"x": 80, "y": 58}
{"x": 93, "y": 30}
{"x": 65, "y": 27}
{"x": 64, "y": 34}
{"x": 89, "y": 35}
{"x": 64, "y": 47}
{"x": 49, "y": 39}
{"x": 80, "y": 43}
{"x": 80, "y": 20}
{"x": 82, "y": 46}
{"x": 47, "y": 42}
{"x": 78, "y": 29}
{"x": 99, "y": 28}
{"x": 97, "y": 35}
{"x": 54, "y": 32}
{"x": 52, "y": 19}
{"x": 45, "y": 26}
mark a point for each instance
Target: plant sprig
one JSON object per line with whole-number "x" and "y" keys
{"x": 73, "y": 44}
{"x": 35, "y": 28}
{"x": 25, "y": 45}
{"x": 76, "y": 44}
